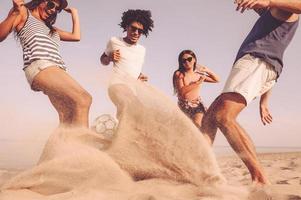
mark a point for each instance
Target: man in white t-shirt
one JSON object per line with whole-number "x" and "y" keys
{"x": 125, "y": 53}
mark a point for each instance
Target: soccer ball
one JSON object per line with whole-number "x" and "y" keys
{"x": 105, "y": 124}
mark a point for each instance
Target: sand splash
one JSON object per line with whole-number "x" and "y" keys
{"x": 156, "y": 153}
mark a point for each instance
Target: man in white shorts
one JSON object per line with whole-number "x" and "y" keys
{"x": 256, "y": 68}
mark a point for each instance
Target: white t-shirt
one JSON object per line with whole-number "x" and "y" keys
{"x": 131, "y": 56}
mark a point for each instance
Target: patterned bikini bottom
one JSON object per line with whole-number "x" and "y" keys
{"x": 193, "y": 107}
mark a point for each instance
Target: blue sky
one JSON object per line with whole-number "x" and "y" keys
{"x": 211, "y": 28}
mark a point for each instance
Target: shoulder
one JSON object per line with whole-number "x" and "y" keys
{"x": 113, "y": 39}
{"x": 178, "y": 74}
{"x": 141, "y": 48}
{"x": 283, "y": 15}
{"x": 117, "y": 40}
{"x": 22, "y": 18}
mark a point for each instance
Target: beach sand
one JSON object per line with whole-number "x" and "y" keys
{"x": 283, "y": 170}
{"x": 156, "y": 153}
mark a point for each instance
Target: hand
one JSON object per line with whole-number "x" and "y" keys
{"x": 70, "y": 10}
{"x": 201, "y": 79}
{"x": 265, "y": 115}
{"x": 242, "y": 5}
{"x": 201, "y": 68}
{"x": 143, "y": 77}
{"x": 115, "y": 56}
{"x": 17, "y": 4}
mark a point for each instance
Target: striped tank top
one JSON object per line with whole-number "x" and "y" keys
{"x": 38, "y": 43}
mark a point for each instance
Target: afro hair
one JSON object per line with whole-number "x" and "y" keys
{"x": 141, "y": 16}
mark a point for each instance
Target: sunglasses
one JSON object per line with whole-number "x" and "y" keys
{"x": 134, "y": 29}
{"x": 50, "y": 5}
{"x": 189, "y": 59}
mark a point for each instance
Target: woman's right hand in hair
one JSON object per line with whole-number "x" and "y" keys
{"x": 70, "y": 10}
{"x": 17, "y": 4}
{"x": 115, "y": 56}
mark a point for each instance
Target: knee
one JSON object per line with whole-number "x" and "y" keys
{"x": 83, "y": 100}
{"x": 224, "y": 119}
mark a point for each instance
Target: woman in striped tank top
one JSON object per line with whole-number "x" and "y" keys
{"x": 43, "y": 64}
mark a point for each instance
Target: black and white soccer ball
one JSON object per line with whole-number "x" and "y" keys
{"x": 105, "y": 124}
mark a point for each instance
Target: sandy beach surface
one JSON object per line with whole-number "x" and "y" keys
{"x": 283, "y": 170}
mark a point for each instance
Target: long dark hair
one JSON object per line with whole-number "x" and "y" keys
{"x": 49, "y": 21}
{"x": 181, "y": 68}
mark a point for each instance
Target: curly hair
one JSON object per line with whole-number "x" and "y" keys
{"x": 141, "y": 16}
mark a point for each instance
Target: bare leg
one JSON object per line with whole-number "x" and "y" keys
{"x": 63, "y": 109}
{"x": 209, "y": 123}
{"x": 223, "y": 114}
{"x": 66, "y": 95}
{"x": 197, "y": 119}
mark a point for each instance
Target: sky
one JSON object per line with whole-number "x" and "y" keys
{"x": 211, "y": 28}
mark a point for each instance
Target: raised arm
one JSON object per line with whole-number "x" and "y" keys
{"x": 75, "y": 34}
{"x": 210, "y": 76}
{"x": 13, "y": 20}
{"x": 292, "y": 6}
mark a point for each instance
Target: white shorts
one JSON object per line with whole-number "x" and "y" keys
{"x": 35, "y": 67}
{"x": 251, "y": 77}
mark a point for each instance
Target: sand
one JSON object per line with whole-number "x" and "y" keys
{"x": 157, "y": 153}
{"x": 283, "y": 170}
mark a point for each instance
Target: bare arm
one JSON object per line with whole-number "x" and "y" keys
{"x": 292, "y": 6}
{"x": 183, "y": 89}
{"x": 265, "y": 115}
{"x": 210, "y": 76}
{"x": 75, "y": 34}
{"x": 14, "y": 18}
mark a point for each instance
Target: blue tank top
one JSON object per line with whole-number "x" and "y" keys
{"x": 268, "y": 40}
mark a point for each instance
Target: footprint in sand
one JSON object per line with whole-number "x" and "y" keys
{"x": 282, "y": 182}
{"x": 294, "y": 197}
{"x": 142, "y": 197}
{"x": 245, "y": 173}
{"x": 286, "y": 168}
{"x": 237, "y": 166}
{"x": 293, "y": 164}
